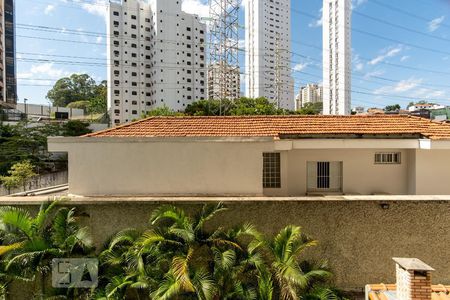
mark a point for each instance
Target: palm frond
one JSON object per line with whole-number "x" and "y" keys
{"x": 43, "y": 215}
{"x": 167, "y": 289}
{"x": 127, "y": 236}
{"x": 15, "y": 219}
{"x": 224, "y": 260}
{"x": 265, "y": 284}
{"x": 321, "y": 293}
{"x": 180, "y": 269}
{"x": 9, "y": 248}
{"x": 204, "y": 285}
{"x": 186, "y": 234}
{"x": 171, "y": 213}
{"x": 207, "y": 213}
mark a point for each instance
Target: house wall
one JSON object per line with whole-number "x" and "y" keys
{"x": 227, "y": 167}
{"x": 360, "y": 174}
{"x": 164, "y": 168}
{"x": 432, "y": 172}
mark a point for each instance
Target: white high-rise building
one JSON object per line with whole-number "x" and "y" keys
{"x": 156, "y": 57}
{"x": 311, "y": 93}
{"x": 268, "y": 56}
{"x": 337, "y": 57}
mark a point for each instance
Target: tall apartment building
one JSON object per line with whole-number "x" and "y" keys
{"x": 156, "y": 56}
{"x": 268, "y": 56}
{"x": 337, "y": 57}
{"x": 311, "y": 93}
{"x": 8, "y": 79}
{"x": 230, "y": 84}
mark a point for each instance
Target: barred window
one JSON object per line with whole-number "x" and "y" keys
{"x": 271, "y": 170}
{"x": 388, "y": 158}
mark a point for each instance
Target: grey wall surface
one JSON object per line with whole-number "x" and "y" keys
{"x": 42, "y": 181}
{"x": 358, "y": 238}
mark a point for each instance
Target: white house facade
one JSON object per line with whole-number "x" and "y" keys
{"x": 262, "y": 156}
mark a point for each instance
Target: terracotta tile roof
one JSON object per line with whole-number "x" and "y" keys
{"x": 276, "y": 126}
{"x": 388, "y": 292}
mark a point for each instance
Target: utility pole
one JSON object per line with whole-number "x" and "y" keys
{"x": 223, "y": 73}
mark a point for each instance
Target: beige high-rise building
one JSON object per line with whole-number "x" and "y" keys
{"x": 230, "y": 84}
{"x": 311, "y": 93}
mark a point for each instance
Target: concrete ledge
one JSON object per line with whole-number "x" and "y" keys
{"x": 100, "y": 200}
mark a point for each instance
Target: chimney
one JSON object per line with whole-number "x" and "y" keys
{"x": 413, "y": 279}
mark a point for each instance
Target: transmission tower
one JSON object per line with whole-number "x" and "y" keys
{"x": 223, "y": 73}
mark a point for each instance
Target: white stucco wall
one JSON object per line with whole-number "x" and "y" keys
{"x": 166, "y": 168}
{"x": 360, "y": 174}
{"x": 432, "y": 172}
{"x": 230, "y": 167}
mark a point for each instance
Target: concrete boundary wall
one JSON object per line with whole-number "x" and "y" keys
{"x": 37, "y": 182}
{"x": 357, "y": 237}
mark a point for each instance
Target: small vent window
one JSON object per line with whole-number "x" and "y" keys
{"x": 388, "y": 158}
{"x": 271, "y": 170}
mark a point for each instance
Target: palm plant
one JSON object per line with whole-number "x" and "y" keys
{"x": 29, "y": 243}
{"x": 178, "y": 258}
{"x": 285, "y": 274}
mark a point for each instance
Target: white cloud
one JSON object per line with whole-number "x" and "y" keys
{"x": 49, "y": 9}
{"x": 300, "y": 67}
{"x": 241, "y": 44}
{"x": 407, "y": 85}
{"x": 404, "y": 58}
{"x": 82, "y": 36}
{"x": 42, "y": 71}
{"x": 356, "y": 3}
{"x": 356, "y": 61}
{"x": 99, "y": 40}
{"x": 98, "y": 7}
{"x": 390, "y": 52}
{"x": 373, "y": 74}
{"x": 401, "y": 87}
{"x": 198, "y": 7}
{"x": 318, "y": 22}
{"x": 427, "y": 93}
{"x": 433, "y": 25}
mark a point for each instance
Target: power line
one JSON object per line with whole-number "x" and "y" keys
{"x": 404, "y": 12}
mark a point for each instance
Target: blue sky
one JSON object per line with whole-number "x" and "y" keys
{"x": 404, "y": 57}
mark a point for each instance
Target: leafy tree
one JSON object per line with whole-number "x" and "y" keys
{"x": 98, "y": 104}
{"x": 77, "y": 87}
{"x": 21, "y": 142}
{"x": 395, "y": 107}
{"x": 208, "y": 108}
{"x": 257, "y": 106}
{"x": 162, "y": 111}
{"x": 29, "y": 243}
{"x": 83, "y": 104}
{"x": 75, "y": 128}
{"x": 311, "y": 109}
{"x": 239, "y": 107}
{"x": 19, "y": 174}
